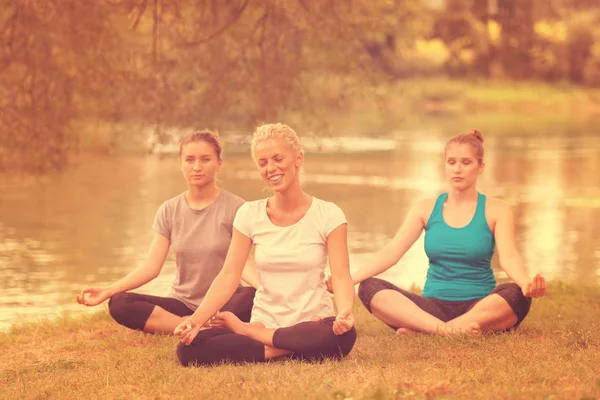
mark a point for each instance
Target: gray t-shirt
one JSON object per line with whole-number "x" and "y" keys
{"x": 199, "y": 239}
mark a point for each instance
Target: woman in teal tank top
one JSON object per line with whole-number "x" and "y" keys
{"x": 462, "y": 229}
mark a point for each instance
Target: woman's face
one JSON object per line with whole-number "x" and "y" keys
{"x": 461, "y": 166}
{"x": 199, "y": 163}
{"x": 278, "y": 163}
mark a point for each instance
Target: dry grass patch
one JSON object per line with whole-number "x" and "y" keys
{"x": 555, "y": 354}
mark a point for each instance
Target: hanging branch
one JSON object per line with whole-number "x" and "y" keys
{"x": 142, "y": 9}
{"x": 220, "y": 31}
{"x": 155, "y": 32}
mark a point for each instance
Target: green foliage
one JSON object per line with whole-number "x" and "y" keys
{"x": 592, "y": 68}
{"x": 462, "y": 33}
{"x": 55, "y": 66}
{"x": 234, "y": 64}
{"x": 580, "y": 39}
{"x": 548, "y": 57}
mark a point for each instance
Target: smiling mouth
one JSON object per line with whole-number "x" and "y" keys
{"x": 275, "y": 178}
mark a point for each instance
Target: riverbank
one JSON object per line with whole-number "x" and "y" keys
{"x": 532, "y": 99}
{"x": 346, "y": 107}
{"x": 554, "y": 354}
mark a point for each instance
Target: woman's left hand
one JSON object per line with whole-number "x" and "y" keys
{"x": 344, "y": 321}
{"x": 535, "y": 288}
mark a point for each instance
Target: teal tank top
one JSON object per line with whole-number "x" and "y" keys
{"x": 459, "y": 258}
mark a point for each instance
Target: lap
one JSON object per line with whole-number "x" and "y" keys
{"x": 370, "y": 287}
{"x": 311, "y": 340}
{"x": 447, "y": 310}
{"x": 217, "y": 345}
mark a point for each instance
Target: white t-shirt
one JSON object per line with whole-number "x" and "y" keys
{"x": 290, "y": 262}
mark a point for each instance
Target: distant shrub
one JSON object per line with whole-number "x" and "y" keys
{"x": 591, "y": 72}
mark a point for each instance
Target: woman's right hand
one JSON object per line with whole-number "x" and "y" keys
{"x": 187, "y": 330}
{"x": 92, "y": 296}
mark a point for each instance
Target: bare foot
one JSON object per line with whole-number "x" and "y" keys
{"x": 472, "y": 328}
{"x": 405, "y": 331}
{"x": 228, "y": 320}
{"x": 273, "y": 352}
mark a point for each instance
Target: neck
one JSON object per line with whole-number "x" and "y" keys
{"x": 202, "y": 193}
{"x": 294, "y": 197}
{"x": 462, "y": 196}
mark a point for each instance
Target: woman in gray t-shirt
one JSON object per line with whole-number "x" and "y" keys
{"x": 197, "y": 225}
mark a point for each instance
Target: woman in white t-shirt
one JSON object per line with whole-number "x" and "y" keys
{"x": 294, "y": 234}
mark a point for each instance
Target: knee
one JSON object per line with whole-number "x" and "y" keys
{"x": 117, "y": 307}
{"x": 513, "y": 295}
{"x": 366, "y": 291}
{"x": 347, "y": 341}
{"x": 200, "y": 353}
{"x": 330, "y": 345}
{"x": 337, "y": 346}
{"x": 513, "y": 292}
{"x": 185, "y": 356}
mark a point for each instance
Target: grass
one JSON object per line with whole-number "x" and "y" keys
{"x": 555, "y": 354}
{"x": 416, "y": 103}
{"x": 462, "y": 97}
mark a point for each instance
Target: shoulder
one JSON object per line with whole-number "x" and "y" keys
{"x": 247, "y": 215}
{"x": 327, "y": 215}
{"x": 232, "y": 200}
{"x": 497, "y": 206}
{"x": 497, "y": 210}
{"x": 250, "y": 208}
{"x": 326, "y": 207}
{"x": 171, "y": 203}
{"x": 256, "y": 204}
{"x": 424, "y": 207}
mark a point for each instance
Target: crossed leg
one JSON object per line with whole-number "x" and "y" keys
{"x": 408, "y": 313}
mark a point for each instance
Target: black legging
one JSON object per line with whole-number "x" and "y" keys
{"x": 133, "y": 309}
{"x": 311, "y": 341}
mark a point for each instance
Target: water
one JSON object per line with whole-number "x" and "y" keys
{"x": 90, "y": 224}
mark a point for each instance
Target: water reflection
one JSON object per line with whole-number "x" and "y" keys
{"x": 543, "y": 215}
{"x": 90, "y": 225}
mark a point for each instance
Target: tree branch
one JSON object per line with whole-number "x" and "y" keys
{"x": 220, "y": 31}
{"x": 155, "y": 31}
{"x": 142, "y": 9}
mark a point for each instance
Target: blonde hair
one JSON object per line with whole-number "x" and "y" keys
{"x": 207, "y": 136}
{"x": 278, "y": 130}
{"x": 473, "y": 138}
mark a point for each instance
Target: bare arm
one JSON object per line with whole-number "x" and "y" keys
{"x": 220, "y": 290}
{"x": 409, "y": 232}
{"x": 337, "y": 248}
{"x": 159, "y": 248}
{"x": 510, "y": 259}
